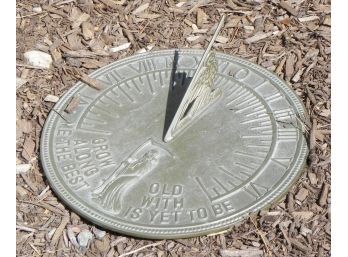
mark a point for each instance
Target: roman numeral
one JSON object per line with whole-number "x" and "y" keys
{"x": 143, "y": 66}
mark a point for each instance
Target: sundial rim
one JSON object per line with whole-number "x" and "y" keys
{"x": 173, "y": 232}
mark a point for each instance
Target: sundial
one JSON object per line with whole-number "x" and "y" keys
{"x": 177, "y": 143}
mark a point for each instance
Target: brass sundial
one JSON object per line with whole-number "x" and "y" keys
{"x": 178, "y": 143}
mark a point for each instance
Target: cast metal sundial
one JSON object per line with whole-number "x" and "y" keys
{"x": 178, "y": 143}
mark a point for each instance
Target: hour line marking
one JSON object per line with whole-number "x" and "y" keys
{"x": 283, "y": 162}
{"x": 233, "y": 175}
{"x": 149, "y": 83}
{"x": 220, "y": 184}
{"x": 261, "y": 146}
{"x": 127, "y": 95}
{"x": 250, "y": 101}
{"x": 256, "y": 190}
{"x": 283, "y": 114}
{"x": 249, "y": 106}
{"x": 236, "y": 91}
{"x": 200, "y": 183}
{"x": 135, "y": 85}
{"x": 246, "y": 167}
{"x": 245, "y": 93}
{"x": 287, "y": 134}
{"x": 112, "y": 100}
{"x": 262, "y": 84}
{"x": 103, "y": 112}
{"x": 250, "y": 155}
{"x": 254, "y": 120}
{"x": 256, "y": 112}
{"x": 216, "y": 191}
{"x": 260, "y": 127}
{"x": 274, "y": 97}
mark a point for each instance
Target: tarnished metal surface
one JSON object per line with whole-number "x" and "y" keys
{"x": 107, "y": 160}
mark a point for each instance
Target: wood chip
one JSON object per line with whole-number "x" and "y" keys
{"x": 180, "y": 4}
{"x": 324, "y": 194}
{"x": 73, "y": 104}
{"x": 141, "y": 8}
{"x": 28, "y": 181}
{"x": 201, "y": 17}
{"x": 298, "y": 75}
{"x": 327, "y": 20}
{"x": 302, "y": 194}
{"x": 74, "y": 41}
{"x": 51, "y": 98}
{"x": 280, "y": 66}
{"x": 20, "y": 82}
{"x": 59, "y": 230}
{"x": 290, "y": 200}
{"x": 300, "y": 246}
{"x": 51, "y": 9}
{"x": 113, "y": 4}
{"x": 150, "y": 16}
{"x": 252, "y": 252}
{"x": 287, "y": 7}
{"x": 27, "y": 229}
{"x": 79, "y": 54}
{"x": 21, "y": 191}
{"x": 192, "y": 38}
{"x": 120, "y": 47}
{"x": 90, "y": 81}
{"x": 28, "y": 148}
{"x": 302, "y": 215}
{"x": 257, "y": 37}
{"x": 221, "y": 39}
{"x": 312, "y": 178}
{"x": 80, "y": 19}
{"x": 312, "y": 140}
{"x": 308, "y": 18}
{"x": 87, "y": 30}
{"x": 23, "y": 168}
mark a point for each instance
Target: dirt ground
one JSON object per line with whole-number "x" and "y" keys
{"x": 292, "y": 39}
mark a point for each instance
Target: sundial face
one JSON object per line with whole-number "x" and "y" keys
{"x": 109, "y": 162}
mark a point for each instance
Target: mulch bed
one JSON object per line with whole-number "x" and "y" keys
{"x": 291, "y": 38}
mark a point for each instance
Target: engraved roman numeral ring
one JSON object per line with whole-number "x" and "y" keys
{"x": 177, "y": 143}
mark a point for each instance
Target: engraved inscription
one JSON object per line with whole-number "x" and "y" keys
{"x": 141, "y": 162}
{"x": 81, "y": 159}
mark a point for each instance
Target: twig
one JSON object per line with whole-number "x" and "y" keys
{"x": 29, "y": 15}
{"x": 45, "y": 206}
{"x": 30, "y": 66}
{"x": 23, "y": 228}
{"x": 264, "y": 240}
{"x": 59, "y": 230}
{"x": 141, "y": 248}
{"x": 35, "y": 249}
{"x": 324, "y": 193}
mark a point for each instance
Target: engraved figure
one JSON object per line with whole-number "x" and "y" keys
{"x": 110, "y": 194}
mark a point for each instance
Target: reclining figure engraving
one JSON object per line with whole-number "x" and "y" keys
{"x": 140, "y": 163}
